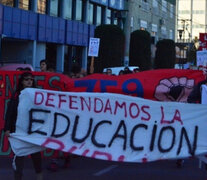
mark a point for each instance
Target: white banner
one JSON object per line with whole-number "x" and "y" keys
{"x": 204, "y": 94}
{"x": 110, "y": 126}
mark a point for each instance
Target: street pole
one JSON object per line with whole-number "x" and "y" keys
{"x": 180, "y": 31}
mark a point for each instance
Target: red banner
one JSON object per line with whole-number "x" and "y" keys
{"x": 160, "y": 85}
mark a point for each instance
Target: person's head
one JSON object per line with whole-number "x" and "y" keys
{"x": 121, "y": 72}
{"x": 27, "y": 69}
{"x": 43, "y": 65}
{"x": 72, "y": 75}
{"x": 109, "y": 71}
{"x": 135, "y": 70}
{"x": 76, "y": 68}
{"x": 19, "y": 69}
{"x": 50, "y": 69}
{"x": 26, "y": 80}
{"x": 127, "y": 70}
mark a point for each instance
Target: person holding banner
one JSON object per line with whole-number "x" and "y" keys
{"x": 26, "y": 80}
{"x": 195, "y": 95}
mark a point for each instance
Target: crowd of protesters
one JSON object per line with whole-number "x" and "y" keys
{"x": 123, "y": 71}
{"x": 27, "y": 80}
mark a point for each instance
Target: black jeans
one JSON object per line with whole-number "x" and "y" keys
{"x": 18, "y": 164}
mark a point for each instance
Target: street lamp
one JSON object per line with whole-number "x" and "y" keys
{"x": 180, "y": 32}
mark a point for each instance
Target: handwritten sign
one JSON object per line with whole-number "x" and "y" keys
{"x": 110, "y": 126}
{"x": 201, "y": 57}
{"x": 93, "y": 47}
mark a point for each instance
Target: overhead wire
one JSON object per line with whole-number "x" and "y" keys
{"x": 176, "y": 15}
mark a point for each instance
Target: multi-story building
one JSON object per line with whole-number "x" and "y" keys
{"x": 57, "y": 30}
{"x": 191, "y": 19}
{"x": 156, "y": 16}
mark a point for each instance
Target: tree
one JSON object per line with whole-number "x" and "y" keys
{"x": 140, "y": 49}
{"x": 165, "y": 55}
{"x": 111, "y": 49}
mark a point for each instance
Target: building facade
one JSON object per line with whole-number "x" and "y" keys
{"x": 155, "y": 16}
{"x": 59, "y": 30}
{"x": 56, "y": 30}
{"x": 191, "y": 19}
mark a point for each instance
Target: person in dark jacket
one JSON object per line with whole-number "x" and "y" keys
{"x": 26, "y": 80}
{"x": 195, "y": 95}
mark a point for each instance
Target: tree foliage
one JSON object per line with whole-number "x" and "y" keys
{"x": 140, "y": 49}
{"x": 111, "y": 50}
{"x": 165, "y": 55}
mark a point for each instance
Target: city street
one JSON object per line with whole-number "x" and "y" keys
{"x": 85, "y": 168}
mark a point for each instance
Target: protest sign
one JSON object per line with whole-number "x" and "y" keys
{"x": 110, "y": 126}
{"x": 201, "y": 57}
{"x": 93, "y": 47}
{"x": 160, "y": 85}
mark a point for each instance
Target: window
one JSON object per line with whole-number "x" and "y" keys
{"x": 184, "y": 12}
{"x": 163, "y": 30}
{"x": 41, "y": 6}
{"x": 198, "y": 12}
{"x": 54, "y": 8}
{"x": 79, "y": 10}
{"x": 115, "y": 22}
{"x": 90, "y": 14}
{"x": 24, "y": 4}
{"x": 7, "y": 2}
{"x": 98, "y": 15}
{"x": 68, "y": 9}
{"x": 108, "y": 16}
{"x": 155, "y": 4}
{"x": 145, "y": 5}
{"x": 155, "y": 8}
{"x": 171, "y": 34}
{"x": 171, "y": 10}
{"x": 164, "y": 6}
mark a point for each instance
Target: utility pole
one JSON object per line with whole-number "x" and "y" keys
{"x": 185, "y": 24}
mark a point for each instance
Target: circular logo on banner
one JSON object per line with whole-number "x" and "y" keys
{"x": 174, "y": 89}
{"x": 112, "y": 2}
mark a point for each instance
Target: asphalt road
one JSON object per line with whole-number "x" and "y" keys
{"x": 90, "y": 169}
